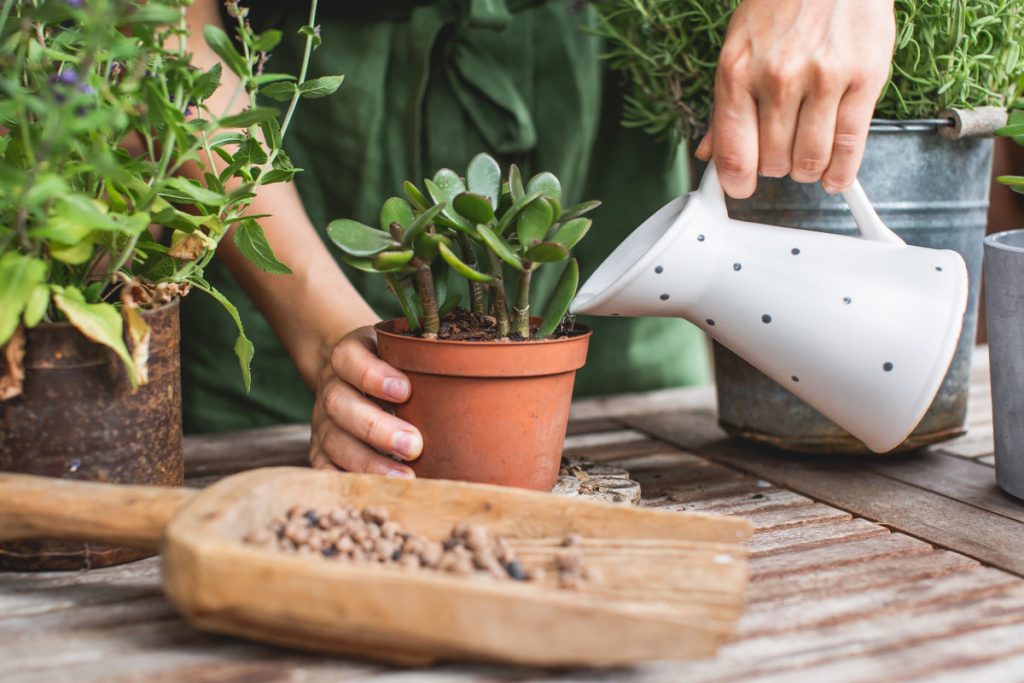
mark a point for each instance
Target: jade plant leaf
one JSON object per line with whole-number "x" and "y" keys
{"x": 515, "y": 183}
{"x": 547, "y": 252}
{"x": 387, "y": 261}
{"x": 533, "y": 223}
{"x": 362, "y": 263}
{"x": 483, "y": 177}
{"x": 415, "y": 197}
{"x": 547, "y": 184}
{"x": 499, "y": 246}
{"x": 396, "y": 210}
{"x": 449, "y": 182}
{"x": 561, "y": 297}
{"x": 460, "y": 267}
{"x": 474, "y": 207}
{"x": 406, "y": 300}
{"x": 449, "y": 304}
{"x": 579, "y": 210}
{"x": 99, "y": 322}
{"x": 421, "y": 223}
{"x": 357, "y": 239}
{"x": 427, "y": 243}
{"x": 509, "y": 216}
{"x": 569, "y": 234}
{"x": 440, "y": 194}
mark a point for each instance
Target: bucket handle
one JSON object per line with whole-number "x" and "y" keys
{"x": 868, "y": 222}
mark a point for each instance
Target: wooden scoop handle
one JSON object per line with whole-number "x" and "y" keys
{"x": 43, "y": 507}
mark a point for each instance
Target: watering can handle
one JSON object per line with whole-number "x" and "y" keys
{"x": 870, "y": 225}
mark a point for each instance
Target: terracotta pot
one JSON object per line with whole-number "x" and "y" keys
{"x": 77, "y": 418}
{"x": 489, "y": 412}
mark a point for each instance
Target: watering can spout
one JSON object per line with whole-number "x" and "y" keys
{"x": 579, "y": 304}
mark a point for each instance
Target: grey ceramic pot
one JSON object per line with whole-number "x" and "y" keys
{"x": 1004, "y": 309}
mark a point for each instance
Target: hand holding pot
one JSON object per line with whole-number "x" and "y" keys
{"x": 795, "y": 90}
{"x": 350, "y": 429}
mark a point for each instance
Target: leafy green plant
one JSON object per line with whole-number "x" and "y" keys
{"x": 492, "y": 231}
{"x": 103, "y": 113}
{"x": 1014, "y": 129}
{"x": 949, "y": 53}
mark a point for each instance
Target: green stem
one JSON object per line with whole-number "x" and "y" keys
{"x": 431, "y": 322}
{"x": 499, "y": 307}
{"x": 476, "y": 289}
{"x": 521, "y": 320}
{"x": 295, "y": 97}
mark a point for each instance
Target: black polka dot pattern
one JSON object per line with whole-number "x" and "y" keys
{"x": 700, "y": 238}
{"x": 659, "y": 270}
{"x": 887, "y": 366}
{"x": 847, "y": 300}
{"x": 664, "y": 297}
{"x": 938, "y": 268}
{"x": 737, "y": 266}
{"x": 794, "y": 251}
{"x": 766, "y": 318}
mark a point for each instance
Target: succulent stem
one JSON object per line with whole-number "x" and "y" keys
{"x": 499, "y": 307}
{"x": 431, "y": 322}
{"x": 476, "y": 289}
{"x": 521, "y": 321}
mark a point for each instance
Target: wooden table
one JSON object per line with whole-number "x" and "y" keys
{"x": 864, "y": 569}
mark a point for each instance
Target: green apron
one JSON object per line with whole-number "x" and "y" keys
{"x": 428, "y": 85}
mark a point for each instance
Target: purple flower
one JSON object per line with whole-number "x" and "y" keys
{"x": 73, "y": 3}
{"x": 68, "y": 76}
{"x": 86, "y": 89}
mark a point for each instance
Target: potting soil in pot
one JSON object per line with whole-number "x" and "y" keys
{"x": 368, "y": 536}
{"x": 462, "y": 325}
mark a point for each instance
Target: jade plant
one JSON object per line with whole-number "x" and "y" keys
{"x": 494, "y": 231}
{"x": 948, "y": 53}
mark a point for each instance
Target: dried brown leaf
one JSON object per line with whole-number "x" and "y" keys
{"x": 13, "y": 379}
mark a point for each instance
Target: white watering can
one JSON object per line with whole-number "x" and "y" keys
{"x": 863, "y": 330}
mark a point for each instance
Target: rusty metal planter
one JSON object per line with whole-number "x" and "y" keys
{"x": 77, "y": 418}
{"x": 932, "y": 192}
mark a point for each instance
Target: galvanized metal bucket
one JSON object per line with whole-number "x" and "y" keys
{"x": 933, "y": 192}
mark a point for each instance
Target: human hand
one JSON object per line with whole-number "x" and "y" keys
{"x": 795, "y": 90}
{"x": 349, "y": 429}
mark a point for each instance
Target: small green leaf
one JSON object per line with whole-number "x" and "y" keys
{"x": 153, "y": 14}
{"x": 249, "y": 117}
{"x": 72, "y": 254}
{"x": 547, "y": 184}
{"x": 426, "y": 245}
{"x": 1015, "y": 182}
{"x": 499, "y": 246}
{"x": 219, "y": 42}
{"x": 252, "y": 242}
{"x": 569, "y": 234}
{"x": 443, "y": 193}
{"x": 357, "y": 239}
{"x": 461, "y": 268}
{"x": 19, "y": 276}
{"x": 359, "y": 263}
{"x": 35, "y": 308}
{"x": 310, "y": 32}
{"x": 321, "y": 87}
{"x": 547, "y": 252}
{"x": 483, "y": 177}
{"x": 243, "y": 347}
{"x": 450, "y": 183}
{"x": 421, "y": 223}
{"x": 282, "y": 91}
{"x": 415, "y": 197}
{"x": 396, "y": 210}
{"x": 266, "y": 41}
{"x": 509, "y": 216}
{"x": 533, "y": 223}
{"x": 178, "y": 189}
{"x": 99, "y": 322}
{"x": 515, "y": 183}
{"x": 561, "y": 297}
{"x": 473, "y": 207}
{"x": 579, "y": 210}
{"x": 392, "y": 260}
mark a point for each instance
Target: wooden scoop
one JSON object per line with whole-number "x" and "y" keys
{"x": 672, "y": 581}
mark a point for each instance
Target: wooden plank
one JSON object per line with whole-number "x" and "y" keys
{"x": 846, "y": 483}
{"x": 990, "y": 655}
{"x": 761, "y": 500}
{"x": 593, "y": 425}
{"x": 621, "y": 405}
{"x": 817, "y": 559}
{"x": 884, "y": 570}
{"x": 812, "y": 536}
{"x": 223, "y": 454}
{"x": 963, "y": 480}
{"x": 788, "y": 518}
{"x": 799, "y": 613}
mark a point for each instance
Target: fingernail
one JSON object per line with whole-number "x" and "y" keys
{"x": 402, "y": 474}
{"x": 830, "y": 189}
{"x": 405, "y": 444}
{"x": 396, "y": 388}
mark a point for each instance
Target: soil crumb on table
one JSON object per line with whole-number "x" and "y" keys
{"x": 369, "y": 536}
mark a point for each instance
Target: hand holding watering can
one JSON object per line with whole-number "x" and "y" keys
{"x": 863, "y": 329}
